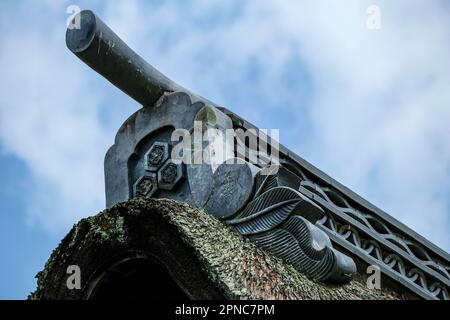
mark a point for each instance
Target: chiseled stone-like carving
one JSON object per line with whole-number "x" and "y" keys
{"x": 169, "y": 175}
{"x": 156, "y": 155}
{"x": 275, "y": 220}
{"x": 146, "y": 186}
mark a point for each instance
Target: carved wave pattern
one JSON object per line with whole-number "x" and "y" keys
{"x": 370, "y": 246}
{"x": 296, "y": 249}
{"x": 271, "y": 221}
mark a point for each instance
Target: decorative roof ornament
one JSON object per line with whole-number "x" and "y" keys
{"x": 261, "y": 190}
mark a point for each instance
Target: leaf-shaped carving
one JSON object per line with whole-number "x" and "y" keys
{"x": 271, "y": 208}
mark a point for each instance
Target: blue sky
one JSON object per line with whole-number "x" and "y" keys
{"x": 369, "y": 107}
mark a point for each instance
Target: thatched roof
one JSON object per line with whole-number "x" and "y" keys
{"x": 204, "y": 256}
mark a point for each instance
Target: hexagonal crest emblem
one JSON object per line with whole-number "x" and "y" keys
{"x": 156, "y": 155}
{"x": 169, "y": 175}
{"x": 145, "y": 186}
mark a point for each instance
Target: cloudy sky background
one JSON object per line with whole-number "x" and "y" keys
{"x": 369, "y": 107}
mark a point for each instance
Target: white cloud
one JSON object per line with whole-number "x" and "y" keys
{"x": 48, "y": 118}
{"x": 376, "y": 109}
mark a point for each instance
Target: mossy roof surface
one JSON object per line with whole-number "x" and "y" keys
{"x": 233, "y": 263}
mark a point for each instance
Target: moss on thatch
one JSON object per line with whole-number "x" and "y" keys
{"x": 232, "y": 263}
